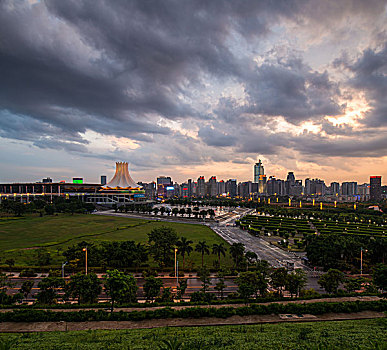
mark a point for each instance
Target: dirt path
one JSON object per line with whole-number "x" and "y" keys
{"x": 178, "y": 307}
{"x": 17, "y": 327}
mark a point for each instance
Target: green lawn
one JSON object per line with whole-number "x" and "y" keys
{"x": 19, "y": 235}
{"x": 361, "y": 334}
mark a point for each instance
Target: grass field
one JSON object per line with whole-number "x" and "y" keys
{"x": 19, "y": 236}
{"x": 361, "y": 334}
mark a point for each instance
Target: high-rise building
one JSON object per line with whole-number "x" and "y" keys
{"x": 103, "y": 180}
{"x": 275, "y": 187}
{"x": 349, "y": 188}
{"x": 375, "y": 188}
{"x": 190, "y": 188}
{"x": 164, "y": 183}
{"x": 213, "y": 187}
{"x": 231, "y": 187}
{"x": 244, "y": 189}
{"x": 335, "y": 188}
{"x": 297, "y": 189}
{"x": 315, "y": 187}
{"x": 258, "y": 171}
{"x": 364, "y": 192}
{"x": 291, "y": 178}
{"x": 201, "y": 187}
{"x": 260, "y": 177}
{"x": 221, "y": 187}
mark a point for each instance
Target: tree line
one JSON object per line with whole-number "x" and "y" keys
{"x": 58, "y": 205}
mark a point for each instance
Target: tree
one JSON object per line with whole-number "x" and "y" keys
{"x": 162, "y": 241}
{"x": 331, "y": 280}
{"x": 175, "y": 211}
{"x": 182, "y": 212}
{"x": 152, "y": 287}
{"x": 166, "y": 296}
{"x": 43, "y": 257}
{"x": 26, "y": 287}
{"x": 263, "y": 267}
{"x": 295, "y": 281}
{"x": 203, "y": 213}
{"x": 48, "y": 290}
{"x": 219, "y": 249}
{"x": 204, "y": 276}
{"x": 5, "y": 299}
{"x": 247, "y": 284}
{"x": 251, "y": 257}
{"x": 202, "y": 248}
{"x": 184, "y": 247}
{"x": 181, "y": 288}
{"x": 10, "y": 263}
{"x": 380, "y": 276}
{"x": 120, "y": 287}
{"x": 237, "y": 251}
{"x": 220, "y": 285}
{"x": 162, "y": 210}
{"x": 211, "y": 213}
{"x": 156, "y": 210}
{"x": 85, "y": 288}
{"x": 353, "y": 284}
{"x": 189, "y": 212}
{"x": 279, "y": 279}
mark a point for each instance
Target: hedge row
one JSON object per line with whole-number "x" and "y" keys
{"x": 195, "y": 312}
{"x": 273, "y": 298}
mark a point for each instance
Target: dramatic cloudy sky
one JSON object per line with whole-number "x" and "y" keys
{"x": 188, "y": 88}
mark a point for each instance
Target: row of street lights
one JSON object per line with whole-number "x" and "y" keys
{"x": 85, "y": 250}
{"x": 177, "y": 263}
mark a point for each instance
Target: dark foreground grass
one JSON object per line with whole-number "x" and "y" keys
{"x": 20, "y": 237}
{"x": 360, "y": 334}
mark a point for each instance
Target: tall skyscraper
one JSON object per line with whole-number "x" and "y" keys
{"x": 260, "y": 177}
{"x": 258, "y": 171}
{"x": 375, "y": 188}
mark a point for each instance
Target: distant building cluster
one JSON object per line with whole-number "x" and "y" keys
{"x": 123, "y": 189}
{"x": 164, "y": 187}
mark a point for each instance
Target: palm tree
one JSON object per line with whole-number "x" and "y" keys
{"x": 219, "y": 249}
{"x": 184, "y": 247}
{"x": 237, "y": 251}
{"x": 189, "y": 212}
{"x": 182, "y": 212}
{"x": 202, "y": 248}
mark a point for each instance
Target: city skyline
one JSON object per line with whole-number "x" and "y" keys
{"x": 185, "y": 89}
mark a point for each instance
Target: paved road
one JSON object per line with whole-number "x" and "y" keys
{"x": 274, "y": 255}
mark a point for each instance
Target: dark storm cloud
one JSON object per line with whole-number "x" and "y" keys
{"x": 289, "y": 88}
{"x": 125, "y": 68}
{"x": 370, "y": 76}
{"x": 214, "y": 137}
{"x": 308, "y": 144}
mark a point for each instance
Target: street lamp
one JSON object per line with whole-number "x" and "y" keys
{"x": 85, "y": 250}
{"x": 175, "y": 262}
{"x": 63, "y": 265}
{"x": 361, "y": 260}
